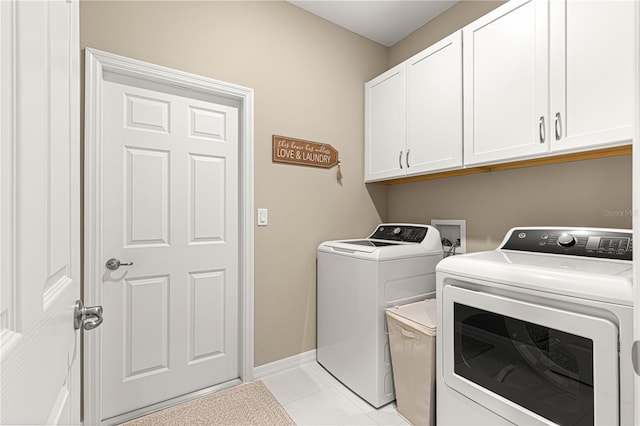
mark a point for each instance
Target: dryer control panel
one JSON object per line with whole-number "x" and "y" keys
{"x": 587, "y": 242}
{"x": 404, "y": 233}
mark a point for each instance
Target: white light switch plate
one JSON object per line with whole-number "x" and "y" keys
{"x": 263, "y": 217}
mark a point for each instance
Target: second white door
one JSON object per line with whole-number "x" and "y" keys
{"x": 170, "y": 207}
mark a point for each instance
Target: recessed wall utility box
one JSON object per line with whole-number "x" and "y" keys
{"x": 453, "y": 230}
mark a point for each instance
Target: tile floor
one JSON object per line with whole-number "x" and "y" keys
{"x": 312, "y": 396}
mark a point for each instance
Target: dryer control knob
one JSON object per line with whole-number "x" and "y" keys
{"x": 566, "y": 240}
{"x": 396, "y": 231}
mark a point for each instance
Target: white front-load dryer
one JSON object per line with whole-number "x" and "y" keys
{"x": 357, "y": 281}
{"x": 538, "y": 331}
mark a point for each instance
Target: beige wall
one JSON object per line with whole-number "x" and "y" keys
{"x": 585, "y": 193}
{"x": 308, "y": 78}
{"x": 449, "y": 22}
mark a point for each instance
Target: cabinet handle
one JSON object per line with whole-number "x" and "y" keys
{"x": 400, "y": 159}
{"x": 408, "y": 158}
{"x": 558, "y": 126}
{"x": 542, "y": 129}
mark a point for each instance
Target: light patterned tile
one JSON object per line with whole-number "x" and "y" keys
{"x": 312, "y": 396}
{"x": 387, "y": 415}
{"x": 294, "y": 384}
{"x": 319, "y": 372}
{"x": 353, "y": 397}
{"x": 326, "y": 407}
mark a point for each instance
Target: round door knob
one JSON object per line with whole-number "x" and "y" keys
{"x": 566, "y": 240}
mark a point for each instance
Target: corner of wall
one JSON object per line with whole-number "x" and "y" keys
{"x": 458, "y": 16}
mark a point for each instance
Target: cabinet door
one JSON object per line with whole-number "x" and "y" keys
{"x": 505, "y": 83}
{"x": 591, "y": 72}
{"x": 434, "y": 107}
{"x": 385, "y": 125}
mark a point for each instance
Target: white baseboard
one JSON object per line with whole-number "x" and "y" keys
{"x": 284, "y": 364}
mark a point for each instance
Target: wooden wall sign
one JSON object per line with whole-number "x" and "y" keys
{"x": 304, "y": 153}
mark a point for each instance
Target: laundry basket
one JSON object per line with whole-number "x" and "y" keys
{"x": 412, "y": 337}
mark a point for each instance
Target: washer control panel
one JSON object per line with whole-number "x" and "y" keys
{"x": 600, "y": 243}
{"x": 404, "y": 233}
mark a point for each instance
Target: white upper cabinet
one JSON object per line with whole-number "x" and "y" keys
{"x": 385, "y": 125}
{"x": 434, "y": 107}
{"x": 591, "y": 73}
{"x": 506, "y": 84}
{"x": 413, "y": 114}
{"x": 539, "y": 78}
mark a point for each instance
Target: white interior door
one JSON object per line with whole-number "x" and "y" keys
{"x": 40, "y": 245}
{"x": 170, "y": 207}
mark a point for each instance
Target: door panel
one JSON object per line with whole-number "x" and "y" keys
{"x": 170, "y": 207}
{"x": 506, "y": 83}
{"x": 146, "y": 217}
{"x": 206, "y": 199}
{"x": 146, "y": 325}
{"x": 385, "y": 125}
{"x": 434, "y": 107}
{"x": 40, "y": 212}
{"x": 590, "y": 98}
{"x": 206, "y": 314}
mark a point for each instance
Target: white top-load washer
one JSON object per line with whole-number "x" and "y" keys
{"x": 538, "y": 331}
{"x": 357, "y": 281}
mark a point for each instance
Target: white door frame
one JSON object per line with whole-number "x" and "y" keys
{"x": 636, "y": 212}
{"x": 96, "y": 64}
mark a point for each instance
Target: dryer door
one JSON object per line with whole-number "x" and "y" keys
{"x": 530, "y": 363}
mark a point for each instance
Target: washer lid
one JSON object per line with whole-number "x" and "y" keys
{"x": 349, "y": 246}
{"x": 372, "y": 243}
{"x": 594, "y": 279}
{"x": 376, "y": 252}
{"x": 390, "y": 241}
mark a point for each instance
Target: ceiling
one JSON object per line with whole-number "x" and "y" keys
{"x": 383, "y": 21}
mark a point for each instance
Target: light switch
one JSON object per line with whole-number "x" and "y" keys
{"x": 263, "y": 217}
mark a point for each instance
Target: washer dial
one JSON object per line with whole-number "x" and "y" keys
{"x": 566, "y": 240}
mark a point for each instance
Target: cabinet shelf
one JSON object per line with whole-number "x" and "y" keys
{"x": 542, "y": 161}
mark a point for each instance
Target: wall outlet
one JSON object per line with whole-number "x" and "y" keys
{"x": 453, "y": 230}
